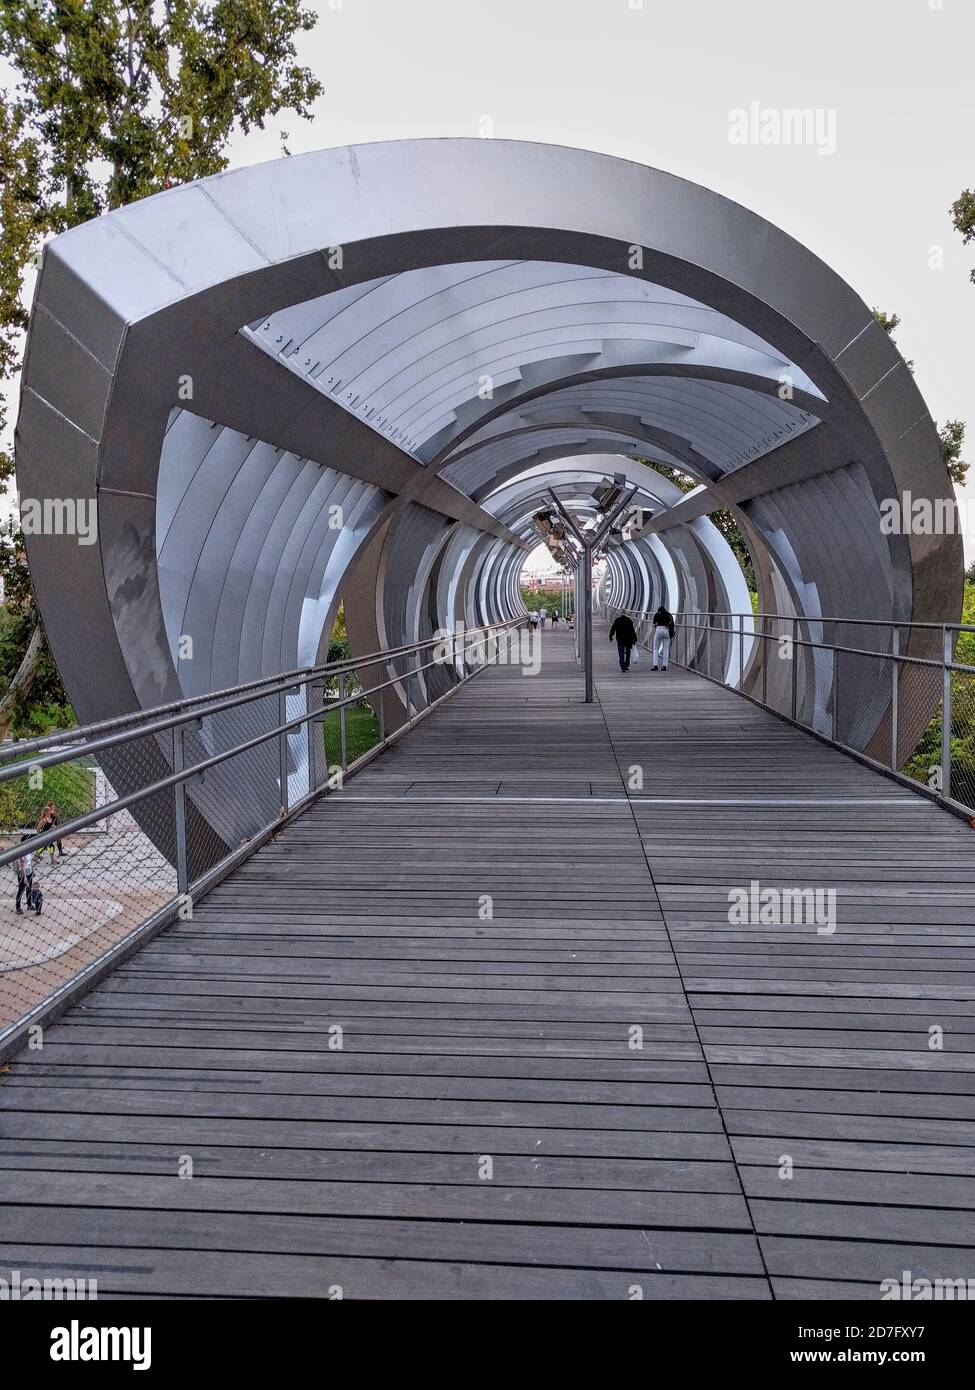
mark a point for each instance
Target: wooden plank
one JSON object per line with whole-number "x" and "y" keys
{"x": 508, "y": 1035}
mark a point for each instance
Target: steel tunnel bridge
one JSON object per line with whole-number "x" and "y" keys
{"x": 414, "y": 974}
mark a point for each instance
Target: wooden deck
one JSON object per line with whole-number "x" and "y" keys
{"x": 488, "y": 1129}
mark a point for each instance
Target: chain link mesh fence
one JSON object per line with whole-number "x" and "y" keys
{"x": 875, "y": 688}
{"x": 92, "y": 848}
{"x": 73, "y": 899}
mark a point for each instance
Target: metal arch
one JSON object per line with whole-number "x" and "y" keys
{"x": 134, "y": 319}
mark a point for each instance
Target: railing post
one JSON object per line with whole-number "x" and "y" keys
{"x": 182, "y": 877}
{"x": 412, "y": 706}
{"x": 317, "y": 760}
{"x": 343, "y": 749}
{"x": 795, "y": 665}
{"x": 382, "y": 706}
{"x": 765, "y": 641}
{"x": 283, "y": 748}
{"x": 836, "y": 693}
{"x": 741, "y": 651}
{"x": 895, "y": 647}
{"x": 946, "y": 714}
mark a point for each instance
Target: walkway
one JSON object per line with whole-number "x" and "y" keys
{"x": 496, "y": 915}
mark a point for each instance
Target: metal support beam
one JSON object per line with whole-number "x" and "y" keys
{"x": 589, "y": 543}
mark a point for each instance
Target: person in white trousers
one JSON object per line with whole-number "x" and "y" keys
{"x": 663, "y": 631}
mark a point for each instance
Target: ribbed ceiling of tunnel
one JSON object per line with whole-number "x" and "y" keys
{"x": 424, "y": 356}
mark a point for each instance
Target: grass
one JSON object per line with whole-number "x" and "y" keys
{"x": 361, "y": 734}
{"x": 71, "y": 785}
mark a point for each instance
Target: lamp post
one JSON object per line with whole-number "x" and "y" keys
{"x": 588, "y": 543}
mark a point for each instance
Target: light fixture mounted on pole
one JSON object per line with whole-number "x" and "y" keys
{"x": 612, "y": 503}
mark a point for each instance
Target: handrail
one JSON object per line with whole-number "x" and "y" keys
{"x": 62, "y": 755}
{"x": 809, "y": 618}
{"x": 836, "y": 646}
{"x": 797, "y": 618}
{"x": 874, "y": 718}
{"x": 252, "y": 810}
{"x": 197, "y": 706}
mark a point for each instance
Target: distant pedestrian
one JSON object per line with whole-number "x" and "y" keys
{"x": 663, "y": 631}
{"x": 625, "y": 634}
{"x": 25, "y": 875}
{"x": 48, "y": 820}
{"x": 533, "y": 620}
{"x": 542, "y": 615}
{"x": 555, "y": 617}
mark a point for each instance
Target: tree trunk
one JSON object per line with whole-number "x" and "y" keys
{"x": 22, "y": 681}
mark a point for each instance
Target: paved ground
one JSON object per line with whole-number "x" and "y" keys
{"x": 564, "y": 1070}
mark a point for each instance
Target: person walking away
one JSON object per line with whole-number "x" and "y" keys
{"x": 25, "y": 875}
{"x": 625, "y": 634}
{"x": 555, "y": 617}
{"x": 542, "y": 615}
{"x": 663, "y": 631}
{"x": 533, "y": 620}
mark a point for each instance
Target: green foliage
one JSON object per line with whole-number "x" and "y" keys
{"x": 549, "y": 599}
{"x": 952, "y": 436}
{"x": 70, "y": 785}
{"x": 927, "y": 753}
{"x": 22, "y": 222}
{"x": 46, "y": 705}
{"x": 338, "y": 644}
{"x": 963, "y": 219}
{"x": 361, "y": 733}
{"x": 888, "y": 322}
{"x": 733, "y": 534}
{"x": 126, "y": 99}
{"x": 113, "y": 101}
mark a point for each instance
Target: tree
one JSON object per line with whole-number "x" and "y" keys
{"x": 952, "y": 436}
{"x": 22, "y": 222}
{"x": 963, "y": 220}
{"x": 890, "y": 323}
{"x": 548, "y": 595}
{"x": 952, "y": 432}
{"x": 35, "y": 700}
{"x": 114, "y": 101}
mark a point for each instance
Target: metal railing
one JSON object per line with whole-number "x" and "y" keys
{"x": 897, "y": 695}
{"x": 154, "y": 808}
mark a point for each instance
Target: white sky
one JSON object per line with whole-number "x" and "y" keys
{"x": 540, "y": 563}
{"x": 656, "y": 84}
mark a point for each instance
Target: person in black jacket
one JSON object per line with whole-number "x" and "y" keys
{"x": 663, "y": 631}
{"x": 625, "y": 634}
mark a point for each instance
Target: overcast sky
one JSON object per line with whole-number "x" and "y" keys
{"x": 657, "y": 83}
